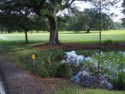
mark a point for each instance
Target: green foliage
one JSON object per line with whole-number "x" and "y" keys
{"x": 118, "y": 26}
{"x": 85, "y": 52}
{"x": 107, "y": 42}
{"x": 15, "y": 16}
{"x": 64, "y": 70}
{"x": 109, "y": 63}
{"x": 39, "y": 66}
{"x": 123, "y": 20}
{"x": 116, "y": 43}
{"x": 66, "y": 89}
{"x": 51, "y": 54}
{"x": 90, "y": 21}
{"x": 46, "y": 63}
{"x": 45, "y": 69}
{"x": 119, "y": 82}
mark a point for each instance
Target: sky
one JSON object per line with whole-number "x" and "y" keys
{"x": 117, "y": 11}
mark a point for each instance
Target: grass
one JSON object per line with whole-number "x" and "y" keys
{"x": 86, "y": 91}
{"x": 66, "y": 88}
{"x": 80, "y": 37}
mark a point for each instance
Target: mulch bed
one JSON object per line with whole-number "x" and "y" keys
{"x": 78, "y": 46}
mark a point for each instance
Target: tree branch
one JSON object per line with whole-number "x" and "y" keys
{"x": 36, "y": 6}
{"x": 67, "y": 4}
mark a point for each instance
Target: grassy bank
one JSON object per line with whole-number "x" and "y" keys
{"x": 73, "y": 89}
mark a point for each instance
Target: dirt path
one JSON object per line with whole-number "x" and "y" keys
{"x": 19, "y": 81}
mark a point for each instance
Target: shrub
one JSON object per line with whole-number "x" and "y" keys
{"x": 24, "y": 61}
{"x": 53, "y": 68}
{"x": 51, "y": 54}
{"x": 45, "y": 64}
{"x": 116, "y": 43}
{"x": 64, "y": 70}
{"x": 107, "y": 42}
{"x": 43, "y": 72}
{"x": 44, "y": 69}
{"x": 86, "y": 53}
{"x": 119, "y": 82}
{"x": 39, "y": 68}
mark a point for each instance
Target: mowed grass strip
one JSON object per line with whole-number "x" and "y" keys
{"x": 66, "y": 87}
{"x": 82, "y": 36}
{"x": 86, "y": 91}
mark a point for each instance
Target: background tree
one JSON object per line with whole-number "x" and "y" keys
{"x": 62, "y": 22}
{"x": 15, "y": 16}
{"x": 123, "y": 19}
{"x": 89, "y": 20}
{"x": 118, "y": 26}
{"x": 76, "y": 21}
{"x": 92, "y": 20}
{"x": 102, "y": 5}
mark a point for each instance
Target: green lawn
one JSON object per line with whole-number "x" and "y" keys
{"x": 87, "y": 91}
{"x": 82, "y": 37}
{"x": 66, "y": 88}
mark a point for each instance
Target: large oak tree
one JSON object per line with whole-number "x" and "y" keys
{"x": 50, "y": 8}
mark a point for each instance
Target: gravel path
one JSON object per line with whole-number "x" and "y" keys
{"x": 19, "y": 81}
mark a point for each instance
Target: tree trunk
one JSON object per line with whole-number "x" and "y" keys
{"x": 53, "y": 39}
{"x": 26, "y": 37}
{"x": 57, "y": 38}
{"x": 88, "y": 31}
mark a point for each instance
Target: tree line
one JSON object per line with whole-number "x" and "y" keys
{"x": 88, "y": 20}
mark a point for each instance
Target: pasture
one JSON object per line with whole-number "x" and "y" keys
{"x": 79, "y": 37}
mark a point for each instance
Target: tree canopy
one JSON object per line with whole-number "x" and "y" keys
{"x": 123, "y": 19}
{"x": 16, "y": 16}
{"x": 87, "y": 20}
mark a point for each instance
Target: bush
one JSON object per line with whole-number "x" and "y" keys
{"x": 119, "y": 82}
{"x": 53, "y": 68}
{"x": 51, "y": 55}
{"x": 24, "y": 61}
{"x": 107, "y": 42}
{"x": 45, "y": 64}
{"x": 44, "y": 69}
{"x": 64, "y": 70}
{"x": 116, "y": 43}
{"x": 86, "y": 53}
